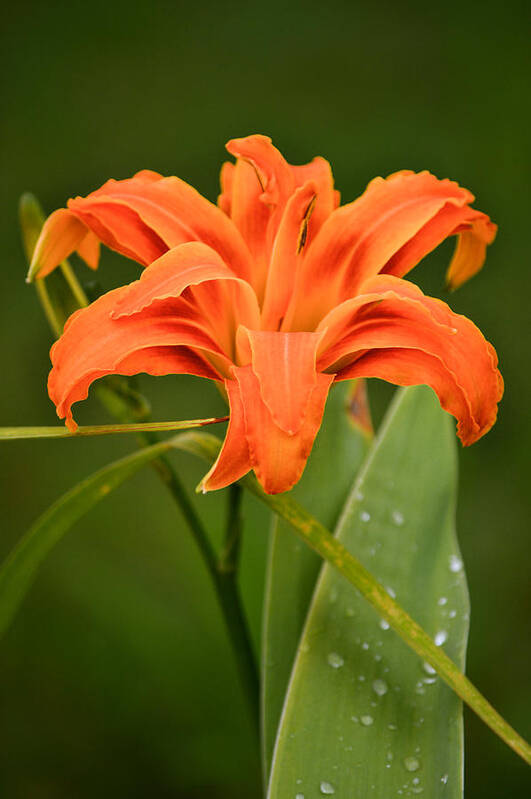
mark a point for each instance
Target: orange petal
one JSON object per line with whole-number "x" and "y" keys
{"x": 94, "y": 345}
{"x": 449, "y": 345}
{"x": 286, "y": 258}
{"x": 284, "y": 364}
{"x": 61, "y": 234}
{"x": 89, "y": 250}
{"x": 478, "y": 232}
{"x": 233, "y": 461}
{"x": 260, "y": 186}
{"x": 319, "y": 172}
{"x": 226, "y": 179}
{"x": 183, "y": 266}
{"x": 470, "y": 251}
{"x": 220, "y": 299}
{"x": 359, "y": 239}
{"x": 405, "y": 367}
{"x": 278, "y": 459}
{"x": 170, "y": 210}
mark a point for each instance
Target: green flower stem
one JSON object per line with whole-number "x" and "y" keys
{"x": 49, "y": 310}
{"x": 330, "y": 549}
{"x": 227, "y": 574}
{"x": 75, "y": 285}
{"x": 223, "y": 573}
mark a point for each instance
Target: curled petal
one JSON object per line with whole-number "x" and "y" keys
{"x": 278, "y": 458}
{"x": 359, "y": 239}
{"x": 470, "y": 251}
{"x": 406, "y": 367}
{"x": 93, "y": 345}
{"x": 319, "y": 172}
{"x": 184, "y": 266}
{"x": 61, "y": 234}
{"x": 144, "y": 216}
{"x": 261, "y": 183}
{"x": 398, "y": 326}
{"x": 219, "y": 298}
{"x": 284, "y": 365}
{"x": 89, "y": 250}
{"x": 474, "y": 231}
{"x": 273, "y": 171}
{"x": 234, "y": 460}
{"x": 286, "y": 258}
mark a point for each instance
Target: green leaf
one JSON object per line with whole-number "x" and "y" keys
{"x": 363, "y": 715}
{"x": 331, "y": 549}
{"x": 20, "y": 568}
{"x": 292, "y": 567}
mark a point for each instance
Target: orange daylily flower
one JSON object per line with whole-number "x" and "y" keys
{"x": 275, "y": 293}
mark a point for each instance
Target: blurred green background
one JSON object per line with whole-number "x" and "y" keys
{"x": 116, "y": 678}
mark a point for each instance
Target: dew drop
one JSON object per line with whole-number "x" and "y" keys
{"x": 327, "y": 788}
{"x": 391, "y": 592}
{"x": 428, "y": 668}
{"x": 299, "y": 796}
{"x": 444, "y": 779}
{"x": 455, "y": 564}
{"x": 366, "y": 720}
{"x": 358, "y": 495}
{"x": 365, "y": 516}
{"x": 335, "y": 660}
{"x": 398, "y": 518}
{"x": 384, "y": 625}
{"x": 365, "y": 645}
{"x": 440, "y": 638}
{"x": 355, "y": 719}
{"x": 442, "y": 600}
{"x": 452, "y": 614}
{"x": 411, "y": 763}
{"x": 361, "y": 678}
{"x": 392, "y": 727}
{"x": 389, "y": 755}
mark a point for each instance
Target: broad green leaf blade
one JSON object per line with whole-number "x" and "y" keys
{"x": 292, "y": 567}
{"x": 10, "y": 433}
{"x": 363, "y": 716}
{"x": 19, "y": 569}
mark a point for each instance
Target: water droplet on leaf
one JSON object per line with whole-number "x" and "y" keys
{"x": 455, "y": 564}
{"x": 335, "y": 660}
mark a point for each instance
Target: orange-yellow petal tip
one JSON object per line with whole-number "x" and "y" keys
{"x": 61, "y": 234}
{"x": 470, "y": 251}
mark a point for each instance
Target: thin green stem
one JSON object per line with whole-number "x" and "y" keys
{"x": 56, "y": 431}
{"x": 222, "y": 571}
{"x": 227, "y": 574}
{"x": 48, "y": 308}
{"x": 75, "y": 285}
